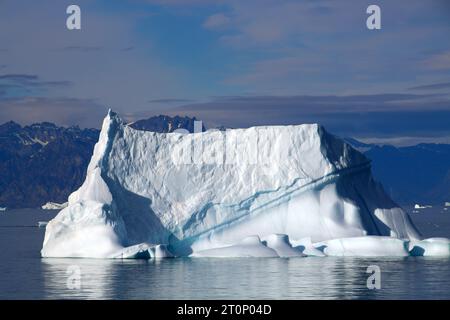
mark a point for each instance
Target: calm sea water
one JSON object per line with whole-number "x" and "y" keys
{"x": 24, "y": 275}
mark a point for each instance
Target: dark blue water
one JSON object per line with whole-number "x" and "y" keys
{"x": 24, "y": 275}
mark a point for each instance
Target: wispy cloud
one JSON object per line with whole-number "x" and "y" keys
{"x": 19, "y": 77}
{"x": 432, "y": 87}
{"x": 328, "y": 103}
{"x": 91, "y": 49}
{"x": 404, "y": 141}
{"x": 217, "y": 21}
{"x": 440, "y": 61}
{"x": 129, "y": 48}
{"x": 370, "y": 115}
{"x": 23, "y": 84}
{"x": 63, "y": 111}
{"x": 170, "y": 100}
{"x": 82, "y": 48}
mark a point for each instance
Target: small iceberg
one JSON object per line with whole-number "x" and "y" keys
{"x": 418, "y": 206}
{"x": 42, "y": 224}
{"x": 54, "y": 206}
{"x": 3, "y": 208}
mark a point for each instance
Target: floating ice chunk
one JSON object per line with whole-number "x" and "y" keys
{"x": 248, "y": 247}
{"x": 432, "y": 247}
{"x": 418, "y": 206}
{"x": 369, "y": 246}
{"x": 54, "y": 206}
{"x": 280, "y": 243}
{"x": 42, "y": 224}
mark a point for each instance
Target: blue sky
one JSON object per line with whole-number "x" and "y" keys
{"x": 237, "y": 63}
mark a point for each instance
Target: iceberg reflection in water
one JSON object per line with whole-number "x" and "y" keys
{"x": 248, "y": 278}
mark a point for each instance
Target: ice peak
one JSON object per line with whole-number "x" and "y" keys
{"x": 110, "y": 113}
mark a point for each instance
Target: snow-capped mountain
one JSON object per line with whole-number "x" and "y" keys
{"x": 245, "y": 191}
{"x": 42, "y": 162}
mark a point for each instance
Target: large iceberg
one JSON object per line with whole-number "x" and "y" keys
{"x": 261, "y": 190}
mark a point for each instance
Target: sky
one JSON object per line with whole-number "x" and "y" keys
{"x": 236, "y": 63}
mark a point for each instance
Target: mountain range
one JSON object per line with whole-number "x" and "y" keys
{"x": 412, "y": 174}
{"x": 43, "y": 162}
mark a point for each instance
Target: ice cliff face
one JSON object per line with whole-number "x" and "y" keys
{"x": 190, "y": 193}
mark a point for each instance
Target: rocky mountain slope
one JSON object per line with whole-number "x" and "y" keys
{"x": 42, "y": 162}
{"x": 413, "y": 174}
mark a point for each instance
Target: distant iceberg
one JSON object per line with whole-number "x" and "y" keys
{"x": 54, "y": 206}
{"x": 418, "y": 206}
{"x": 262, "y": 191}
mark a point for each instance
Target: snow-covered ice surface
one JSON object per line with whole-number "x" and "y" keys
{"x": 262, "y": 191}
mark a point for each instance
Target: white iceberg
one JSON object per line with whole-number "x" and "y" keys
{"x": 196, "y": 192}
{"x": 54, "y": 206}
{"x": 418, "y": 206}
